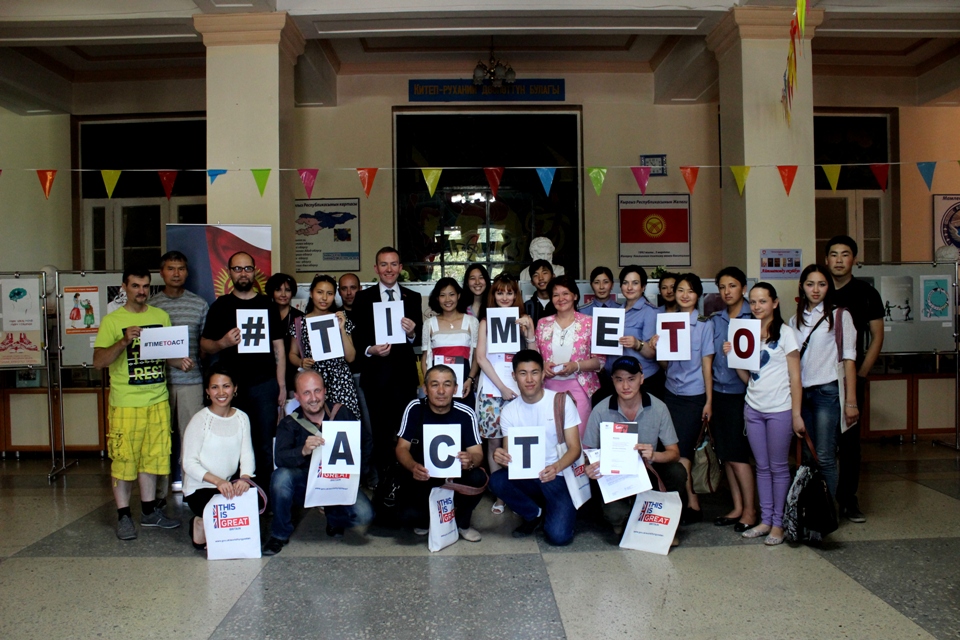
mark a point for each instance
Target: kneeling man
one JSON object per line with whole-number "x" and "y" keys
{"x": 292, "y": 452}
{"x": 439, "y": 407}
{"x": 546, "y": 497}
{"x": 630, "y": 404}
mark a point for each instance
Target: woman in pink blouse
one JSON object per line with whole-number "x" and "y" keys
{"x": 564, "y": 342}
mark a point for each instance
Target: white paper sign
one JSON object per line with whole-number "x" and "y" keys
{"x": 503, "y": 364}
{"x": 254, "y": 325}
{"x": 608, "y": 325}
{"x": 617, "y": 440}
{"x": 457, "y": 365}
{"x": 159, "y": 343}
{"x": 744, "y": 337}
{"x": 386, "y": 322}
{"x": 441, "y": 444}
{"x": 674, "y": 340}
{"x": 341, "y": 446}
{"x": 527, "y": 447}
{"x": 614, "y": 488}
{"x": 326, "y": 342}
{"x": 503, "y": 333}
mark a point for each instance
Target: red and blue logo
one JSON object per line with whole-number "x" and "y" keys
{"x": 648, "y": 514}
{"x": 223, "y": 517}
{"x": 446, "y": 509}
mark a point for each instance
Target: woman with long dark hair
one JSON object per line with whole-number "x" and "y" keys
{"x": 476, "y": 284}
{"x": 451, "y": 333}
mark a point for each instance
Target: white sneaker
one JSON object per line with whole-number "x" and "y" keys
{"x": 176, "y": 486}
{"x": 421, "y": 532}
{"x": 470, "y": 535}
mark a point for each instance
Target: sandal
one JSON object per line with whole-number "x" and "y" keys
{"x": 498, "y": 507}
{"x": 196, "y": 545}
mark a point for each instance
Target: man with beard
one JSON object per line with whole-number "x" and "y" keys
{"x": 139, "y": 415}
{"x": 259, "y": 377}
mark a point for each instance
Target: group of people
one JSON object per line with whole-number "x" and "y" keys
{"x": 228, "y": 415}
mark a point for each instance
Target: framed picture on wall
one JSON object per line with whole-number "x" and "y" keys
{"x": 946, "y": 221}
{"x": 654, "y": 230}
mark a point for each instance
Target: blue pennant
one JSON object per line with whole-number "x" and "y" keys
{"x": 546, "y": 177}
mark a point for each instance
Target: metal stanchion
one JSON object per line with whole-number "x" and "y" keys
{"x": 56, "y": 469}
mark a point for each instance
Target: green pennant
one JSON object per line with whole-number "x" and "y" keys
{"x": 261, "y": 176}
{"x": 597, "y": 176}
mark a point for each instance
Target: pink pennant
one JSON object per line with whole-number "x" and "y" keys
{"x": 642, "y": 175}
{"x": 308, "y": 177}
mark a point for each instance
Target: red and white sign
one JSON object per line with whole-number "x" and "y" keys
{"x": 654, "y": 229}
{"x": 673, "y": 330}
{"x": 744, "y": 338}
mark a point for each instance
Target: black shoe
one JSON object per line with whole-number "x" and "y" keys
{"x": 273, "y": 546}
{"x": 526, "y": 528}
{"x": 161, "y": 504}
{"x": 334, "y": 532}
{"x": 852, "y": 512}
{"x": 740, "y": 527}
{"x": 724, "y": 521}
{"x": 691, "y": 516}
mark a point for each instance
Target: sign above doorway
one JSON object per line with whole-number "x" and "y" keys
{"x": 534, "y": 90}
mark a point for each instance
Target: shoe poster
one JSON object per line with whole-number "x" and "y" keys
{"x": 81, "y": 309}
{"x": 20, "y": 304}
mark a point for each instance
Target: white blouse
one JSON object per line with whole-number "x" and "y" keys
{"x": 818, "y": 365}
{"x": 216, "y": 445}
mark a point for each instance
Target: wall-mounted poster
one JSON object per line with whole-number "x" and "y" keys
{"x": 654, "y": 229}
{"x": 81, "y": 308}
{"x": 780, "y": 264}
{"x": 897, "y": 295}
{"x": 937, "y": 299}
{"x": 946, "y": 221}
{"x": 22, "y": 335}
{"x": 327, "y": 234}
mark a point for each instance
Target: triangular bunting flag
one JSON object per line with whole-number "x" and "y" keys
{"x": 215, "y": 173}
{"x": 308, "y": 177}
{"x": 46, "y": 180}
{"x": 493, "y": 177}
{"x": 110, "y": 177}
{"x": 926, "y": 170}
{"x": 260, "y": 176}
{"x": 787, "y": 173}
{"x": 881, "y": 172}
{"x": 367, "y": 177}
{"x": 642, "y": 175}
{"x": 546, "y": 177}
{"x": 690, "y": 176}
{"x": 432, "y": 176}
{"x": 833, "y": 174}
{"x": 597, "y": 176}
{"x": 167, "y": 179}
{"x": 740, "y": 174}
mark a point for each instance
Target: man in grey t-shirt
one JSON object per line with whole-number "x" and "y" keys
{"x": 185, "y": 385}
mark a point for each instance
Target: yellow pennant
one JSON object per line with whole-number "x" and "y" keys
{"x": 110, "y": 178}
{"x": 833, "y": 174}
{"x": 740, "y": 174}
{"x": 432, "y": 176}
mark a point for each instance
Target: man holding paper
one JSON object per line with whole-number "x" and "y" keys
{"x": 293, "y": 451}
{"x": 414, "y": 452}
{"x": 653, "y": 424}
{"x": 545, "y": 498}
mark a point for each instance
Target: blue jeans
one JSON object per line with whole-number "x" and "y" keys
{"x": 821, "y": 416}
{"x": 527, "y": 497}
{"x": 289, "y": 486}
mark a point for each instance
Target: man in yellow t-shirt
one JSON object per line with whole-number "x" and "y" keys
{"x": 139, "y": 416}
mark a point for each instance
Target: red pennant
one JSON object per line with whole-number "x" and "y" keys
{"x": 642, "y": 175}
{"x": 46, "y": 180}
{"x": 690, "y": 176}
{"x": 367, "y": 177}
{"x": 787, "y": 173}
{"x": 493, "y": 177}
{"x": 308, "y": 177}
{"x": 881, "y": 172}
{"x": 167, "y": 178}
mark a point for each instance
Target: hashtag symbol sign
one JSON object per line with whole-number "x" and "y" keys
{"x": 253, "y": 331}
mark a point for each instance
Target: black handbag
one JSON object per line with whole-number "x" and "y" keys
{"x": 809, "y": 514}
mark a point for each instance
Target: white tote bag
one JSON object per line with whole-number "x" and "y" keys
{"x": 443, "y": 523}
{"x": 232, "y": 526}
{"x": 653, "y": 521}
{"x": 328, "y": 489}
{"x": 578, "y": 484}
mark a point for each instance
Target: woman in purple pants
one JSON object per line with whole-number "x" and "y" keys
{"x": 772, "y": 412}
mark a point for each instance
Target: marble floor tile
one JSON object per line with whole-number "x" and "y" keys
{"x": 918, "y": 578}
{"x": 898, "y": 510}
{"x": 399, "y": 598}
{"x": 742, "y": 592}
{"x": 27, "y": 520}
{"x": 122, "y": 598}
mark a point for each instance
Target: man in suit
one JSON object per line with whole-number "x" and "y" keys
{"x": 389, "y": 375}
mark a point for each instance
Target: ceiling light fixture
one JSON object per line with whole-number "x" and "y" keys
{"x": 496, "y": 72}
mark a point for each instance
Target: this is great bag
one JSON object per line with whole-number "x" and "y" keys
{"x": 653, "y": 521}
{"x": 327, "y": 489}
{"x": 578, "y": 484}
{"x": 232, "y": 527}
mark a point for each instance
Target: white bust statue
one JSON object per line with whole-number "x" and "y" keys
{"x": 541, "y": 249}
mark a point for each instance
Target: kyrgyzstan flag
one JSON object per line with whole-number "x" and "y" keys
{"x": 654, "y": 226}
{"x": 209, "y": 247}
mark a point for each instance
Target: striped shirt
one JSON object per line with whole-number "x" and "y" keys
{"x": 190, "y": 310}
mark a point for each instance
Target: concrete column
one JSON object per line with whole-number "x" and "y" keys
{"x": 751, "y": 45}
{"x": 250, "y": 60}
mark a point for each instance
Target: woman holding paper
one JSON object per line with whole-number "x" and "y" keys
{"x": 476, "y": 284}
{"x": 816, "y": 330}
{"x": 564, "y": 342}
{"x": 493, "y": 392}
{"x": 639, "y": 326}
{"x": 772, "y": 413}
{"x": 216, "y": 444}
{"x": 688, "y": 390}
{"x": 280, "y": 289}
{"x": 336, "y": 373}
{"x": 450, "y": 333}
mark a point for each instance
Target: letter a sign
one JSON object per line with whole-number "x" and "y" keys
{"x": 341, "y": 446}
{"x": 503, "y": 334}
{"x": 744, "y": 337}
{"x": 673, "y": 330}
{"x": 527, "y": 447}
{"x": 386, "y": 322}
{"x": 441, "y": 444}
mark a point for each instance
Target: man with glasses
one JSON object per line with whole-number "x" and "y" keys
{"x": 259, "y": 377}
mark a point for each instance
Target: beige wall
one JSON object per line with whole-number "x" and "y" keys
{"x": 926, "y": 134}
{"x": 620, "y": 122}
{"x": 35, "y": 232}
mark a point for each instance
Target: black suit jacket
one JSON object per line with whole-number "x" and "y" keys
{"x": 398, "y": 369}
